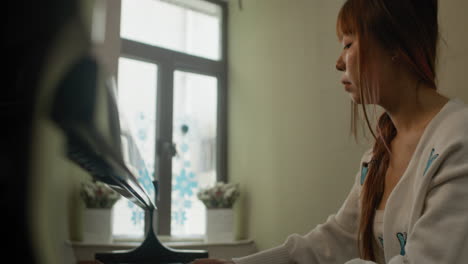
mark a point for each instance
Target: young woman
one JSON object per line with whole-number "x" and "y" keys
{"x": 409, "y": 203}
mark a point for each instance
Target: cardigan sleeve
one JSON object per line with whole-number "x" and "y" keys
{"x": 440, "y": 235}
{"x": 334, "y": 241}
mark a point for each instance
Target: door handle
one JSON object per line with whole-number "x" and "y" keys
{"x": 167, "y": 148}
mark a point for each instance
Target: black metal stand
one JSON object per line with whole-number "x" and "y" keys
{"x": 151, "y": 251}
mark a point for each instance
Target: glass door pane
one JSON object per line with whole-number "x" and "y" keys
{"x": 137, "y": 86}
{"x": 194, "y": 133}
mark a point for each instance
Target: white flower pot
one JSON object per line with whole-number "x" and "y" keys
{"x": 219, "y": 225}
{"x": 97, "y": 225}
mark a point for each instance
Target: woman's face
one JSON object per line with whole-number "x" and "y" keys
{"x": 348, "y": 64}
{"x": 379, "y": 62}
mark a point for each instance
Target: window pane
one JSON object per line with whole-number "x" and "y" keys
{"x": 190, "y": 26}
{"x": 137, "y": 82}
{"x": 194, "y": 133}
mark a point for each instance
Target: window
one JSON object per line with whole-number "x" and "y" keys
{"x": 172, "y": 90}
{"x": 137, "y": 104}
{"x": 194, "y": 133}
{"x": 190, "y": 26}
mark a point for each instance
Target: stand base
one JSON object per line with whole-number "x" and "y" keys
{"x": 151, "y": 251}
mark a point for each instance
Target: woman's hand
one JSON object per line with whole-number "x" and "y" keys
{"x": 211, "y": 261}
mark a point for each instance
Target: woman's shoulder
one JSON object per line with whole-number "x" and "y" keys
{"x": 452, "y": 127}
{"x": 447, "y": 142}
{"x": 458, "y": 111}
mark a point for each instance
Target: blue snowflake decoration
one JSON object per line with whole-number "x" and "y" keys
{"x": 142, "y": 134}
{"x": 184, "y": 147}
{"x": 181, "y": 203}
{"x": 137, "y": 217}
{"x": 145, "y": 179}
{"x": 187, "y": 204}
{"x": 141, "y": 115}
{"x": 185, "y": 183}
{"x": 179, "y": 217}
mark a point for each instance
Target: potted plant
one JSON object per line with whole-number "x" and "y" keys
{"x": 97, "y": 217}
{"x": 219, "y": 201}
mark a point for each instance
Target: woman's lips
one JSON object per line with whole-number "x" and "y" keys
{"x": 347, "y": 85}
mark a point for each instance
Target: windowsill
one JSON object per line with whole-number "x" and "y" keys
{"x": 161, "y": 238}
{"x": 82, "y": 251}
{"x": 170, "y": 243}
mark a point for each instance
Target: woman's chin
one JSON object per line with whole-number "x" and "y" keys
{"x": 356, "y": 99}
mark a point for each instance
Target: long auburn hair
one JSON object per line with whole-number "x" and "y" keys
{"x": 408, "y": 29}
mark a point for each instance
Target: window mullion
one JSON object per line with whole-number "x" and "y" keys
{"x": 164, "y": 141}
{"x": 221, "y": 145}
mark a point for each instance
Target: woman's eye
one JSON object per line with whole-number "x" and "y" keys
{"x": 348, "y": 45}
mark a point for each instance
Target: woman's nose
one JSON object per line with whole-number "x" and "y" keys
{"x": 340, "y": 65}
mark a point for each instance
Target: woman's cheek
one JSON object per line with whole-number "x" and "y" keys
{"x": 352, "y": 67}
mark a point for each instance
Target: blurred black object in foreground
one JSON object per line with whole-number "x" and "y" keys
{"x": 31, "y": 27}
